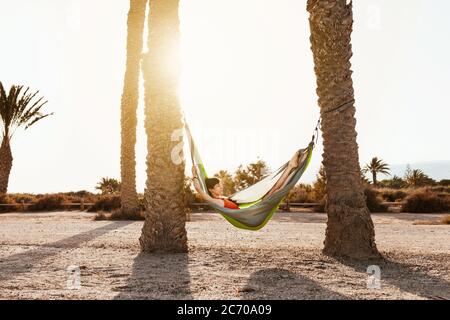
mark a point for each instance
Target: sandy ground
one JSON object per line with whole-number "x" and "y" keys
{"x": 282, "y": 261}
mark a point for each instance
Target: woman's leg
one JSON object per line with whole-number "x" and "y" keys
{"x": 281, "y": 183}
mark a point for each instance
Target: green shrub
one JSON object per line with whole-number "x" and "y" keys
{"x": 425, "y": 202}
{"x": 106, "y": 203}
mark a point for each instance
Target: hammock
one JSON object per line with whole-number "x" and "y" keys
{"x": 255, "y": 209}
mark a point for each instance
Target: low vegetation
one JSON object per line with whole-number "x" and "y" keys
{"x": 106, "y": 203}
{"x": 426, "y": 202}
{"x": 416, "y": 192}
{"x": 118, "y": 215}
{"x": 446, "y": 220}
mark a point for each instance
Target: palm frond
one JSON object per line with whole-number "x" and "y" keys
{"x": 378, "y": 166}
{"x": 17, "y": 108}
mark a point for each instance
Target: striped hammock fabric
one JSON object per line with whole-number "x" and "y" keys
{"x": 255, "y": 209}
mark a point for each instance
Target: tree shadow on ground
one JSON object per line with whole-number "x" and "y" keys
{"x": 24, "y": 262}
{"x": 157, "y": 276}
{"x": 410, "y": 278}
{"x": 277, "y": 283}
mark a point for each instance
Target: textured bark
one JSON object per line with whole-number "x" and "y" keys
{"x": 350, "y": 230}
{"x": 164, "y": 228}
{"x": 6, "y": 160}
{"x": 130, "y": 98}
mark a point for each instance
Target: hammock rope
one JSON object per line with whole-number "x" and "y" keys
{"x": 256, "y": 209}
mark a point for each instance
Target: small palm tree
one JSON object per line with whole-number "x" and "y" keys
{"x": 376, "y": 166}
{"x": 109, "y": 186}
{"x": 17, "y": 109}
{"x": 416, "y": 178}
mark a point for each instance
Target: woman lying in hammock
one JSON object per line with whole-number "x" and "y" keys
{"x": 214, "y": 185}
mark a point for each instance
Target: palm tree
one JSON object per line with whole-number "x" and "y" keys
{"x": 350, "y": 231}
{"x": 17, "y": 109}
{"x": 109, "y": 186}
{"x": 130, "y": 98}
{"x": 416, "y": 178}
{"x": 257, "y": 170}
{"x": 376, "y": 166}
{"x": 227, "y": 182}
{"x": 164, "y": 227}
{"x": 242, "y": 179}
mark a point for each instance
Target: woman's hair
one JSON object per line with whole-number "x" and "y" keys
{"x": 211, "y": 183}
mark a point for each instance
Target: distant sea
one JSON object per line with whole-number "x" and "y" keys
{"x": 436, "y": 170}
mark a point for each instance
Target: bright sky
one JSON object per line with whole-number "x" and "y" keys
{"x": 247, "y": 88}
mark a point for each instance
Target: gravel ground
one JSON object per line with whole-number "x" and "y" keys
{"x": 282, "y": 261}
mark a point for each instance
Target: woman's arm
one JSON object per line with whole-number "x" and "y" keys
{"x": 202, "y": 193}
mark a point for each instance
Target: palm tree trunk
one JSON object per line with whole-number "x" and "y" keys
{"x": 6, "y": 160}
{"x": 374, "y": 178}
{"x": 164, "y": 228}
{"x": 350, "y": 230}
{"x": 130, "y": 98}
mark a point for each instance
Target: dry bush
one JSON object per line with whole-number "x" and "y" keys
{"x": 321, "y": 207}
{"x": 106, "y": 203}
{"x": 446, "y": 220}
{"x": 133, "y": 216}
{"x": 101, "y": 216}
{"x": 373, "y": 202}
{"x": 79, "y": 196}
{"x": 49, "y": 202}
{"x": 302, "y": 193}
{"x": 440, "y": 189}
{"x": 392, "y": 195}
{"x": 6, "y": 199}
{"x": 23, "y": 197}
{"x": 426, "y": 202}
{"x": 118, "y": 215}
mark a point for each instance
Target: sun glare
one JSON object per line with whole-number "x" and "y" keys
{"x": 237, "y": 76}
